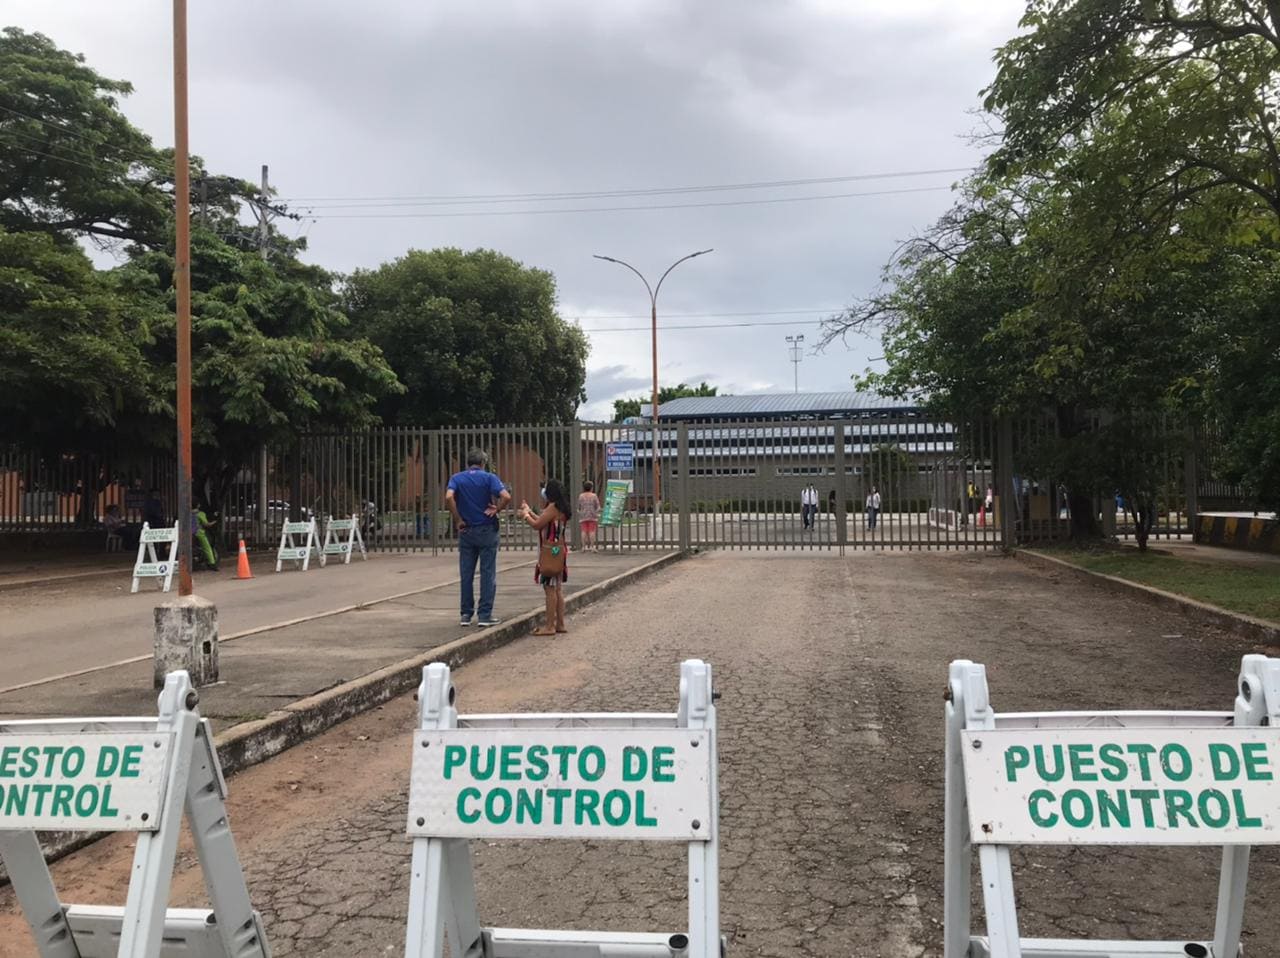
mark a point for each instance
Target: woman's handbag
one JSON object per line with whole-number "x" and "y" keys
{"x": 551, "y": 556}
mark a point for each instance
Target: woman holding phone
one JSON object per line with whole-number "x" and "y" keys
{"x": 552, "y": 570}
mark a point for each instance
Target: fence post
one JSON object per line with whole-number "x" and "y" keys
{"x": 1191, "y": 479}
{"x": 433, "y": 488}
{"x": 576, "y": 476}
{"x": 1004, "y": 484}
{"x": 842, "y": 523}
{"x": 682, "y": 487}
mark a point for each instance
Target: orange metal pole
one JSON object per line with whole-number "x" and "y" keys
{"x": 182, "y": 284}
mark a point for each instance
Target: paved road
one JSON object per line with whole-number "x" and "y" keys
{"x": 66, "y": 626}
{"x": 831, "y": 766}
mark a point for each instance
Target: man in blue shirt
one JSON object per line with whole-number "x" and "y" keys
{"x": 475, "y": 498}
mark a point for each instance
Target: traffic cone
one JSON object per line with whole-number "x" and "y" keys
{"x": 242, "y": 563}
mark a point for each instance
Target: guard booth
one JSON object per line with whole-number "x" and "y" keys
{"x": 126, "y": 775}
{"x": 1105, "y": 778}
{"x": 627, "y": 776}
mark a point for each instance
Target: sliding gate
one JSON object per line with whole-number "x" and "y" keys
{"x": 880, "y": 482}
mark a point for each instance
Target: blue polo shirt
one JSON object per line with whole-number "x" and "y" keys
{"x": 474, "y": 490}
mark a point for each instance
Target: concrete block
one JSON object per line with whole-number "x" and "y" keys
{"x": 186, "y": 637}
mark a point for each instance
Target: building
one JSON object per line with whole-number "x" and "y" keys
{"x": 758, "y": 452}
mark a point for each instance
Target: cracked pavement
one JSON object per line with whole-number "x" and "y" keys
{"x": 831, "y": 673}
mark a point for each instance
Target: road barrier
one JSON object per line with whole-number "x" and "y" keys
{"x": 150, "y": 566}
{"x": 335, "y": 546}
{"x": 1105, "y": 778}
{"x": 132, "y": 775}
{"x": 628, "y": 776}
{"x": 291, "y": 551}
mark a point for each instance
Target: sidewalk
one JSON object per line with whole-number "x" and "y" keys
{"x": 267, "y": 671}
{"x": 1194, "y": 551}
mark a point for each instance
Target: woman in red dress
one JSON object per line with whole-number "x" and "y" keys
{"x": 552, "y": 524}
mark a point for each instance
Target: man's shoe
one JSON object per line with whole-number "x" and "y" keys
{"x": 466, "y": 621}
{"x": 488, "y": 621}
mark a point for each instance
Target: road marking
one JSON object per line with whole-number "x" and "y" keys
{"x": 257, "y": 630}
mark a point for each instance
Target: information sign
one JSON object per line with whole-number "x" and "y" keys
{"x": 615, "y": 502}
{"x": 648, "y": 784}
{"x": 1164, "y": 786}
{"x": 87, "y": 781}
{"x": 151, "y": 565}
{"x": 619, "y": 456}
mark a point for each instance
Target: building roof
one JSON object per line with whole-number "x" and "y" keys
{"x": 778, "y": 406}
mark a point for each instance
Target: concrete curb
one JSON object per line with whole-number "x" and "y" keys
{"x": 1237, "y": 623}
{"x": 249, "y": 743}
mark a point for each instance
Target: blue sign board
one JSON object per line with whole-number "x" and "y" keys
{"x": 619, "y": 456}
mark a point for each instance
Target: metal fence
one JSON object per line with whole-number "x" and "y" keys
{"x": 726, "y": 484}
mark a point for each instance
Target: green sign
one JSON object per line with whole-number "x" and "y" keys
{"x": 615, "y": 502}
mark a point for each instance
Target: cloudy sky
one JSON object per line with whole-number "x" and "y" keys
{"x": 384, "y": 120}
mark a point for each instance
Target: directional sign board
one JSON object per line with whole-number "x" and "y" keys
{"x": 650, "y": 784}
{"x": 89, "y": 781}
{"x": 1156, "y": 786}
{"x": 619, "y": 456}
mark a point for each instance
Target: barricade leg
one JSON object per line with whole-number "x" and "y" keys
{"x": 424, "y": 935}
{"x": 465, "y": 936}
{"x": 142, "y": 929}
{"x": 957, "y": 855}
{"x": 216, "y": 849}
{"x": 33, "y": 886}
{"x": 1002, "y": 914}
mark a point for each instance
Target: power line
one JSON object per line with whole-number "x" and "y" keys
{"x": 626, "y": 209}
{"x": 440, "y": 200}
{"x": 765, "y": 312}
{"x": 646, "y": 329}
{"x": 70, "y": 131}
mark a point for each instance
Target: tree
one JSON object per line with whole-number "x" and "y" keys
{"x": 71, "y": 368}
{"x": 624, "y": 409}
{"x": 71, "y": 164}
{"x": 475, "y": 338}
{"x": 271, "y": 354}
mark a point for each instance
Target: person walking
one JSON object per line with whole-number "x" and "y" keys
{"x": 808, "y": 505}
{"x": 589, "y": 516}
{"x": 475, "y": 497}
{"x": 552, "y": 571}
{"x": 873, "y": 507}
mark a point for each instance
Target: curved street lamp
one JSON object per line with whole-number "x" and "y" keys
{"x": 653, "y": 307}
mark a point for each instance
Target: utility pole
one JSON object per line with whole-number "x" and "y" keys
{"x": 263, "y": 212}
{"x": 182, "y": 286}
{"x": 796, "y": 344}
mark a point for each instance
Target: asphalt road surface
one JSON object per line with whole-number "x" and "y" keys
{"x": 831, "y": 750}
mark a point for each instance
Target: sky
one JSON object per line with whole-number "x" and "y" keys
{"x": 383, "y": 122}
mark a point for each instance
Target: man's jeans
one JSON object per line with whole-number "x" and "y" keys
{"x": 478, "y": 543}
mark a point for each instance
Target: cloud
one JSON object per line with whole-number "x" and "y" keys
{"x": 404, "y": 99}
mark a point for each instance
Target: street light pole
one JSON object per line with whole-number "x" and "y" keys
{"x": 653, "y": 312}
{"x": 797, "y": 353}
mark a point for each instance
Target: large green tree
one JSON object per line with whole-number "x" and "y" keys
{"x": 475, "y": 337}
{"x": 71, "y": 164}
{"x": 624, "y": 409}
{"x": 271, "y": 354}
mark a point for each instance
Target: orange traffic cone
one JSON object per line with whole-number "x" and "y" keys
{"x": 242, "y": 563}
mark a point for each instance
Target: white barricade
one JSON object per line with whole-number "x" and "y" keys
{"x": 291, "y": 551}
{"x": 335, "y": 546}
{"x": 148, "y": 565}
{"x": 135, "y": 775}
{"x": 1105, "y": 778}
{"x": 634, "y": 776}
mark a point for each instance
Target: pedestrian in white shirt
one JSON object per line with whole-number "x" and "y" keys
{"x": 808, "y": 504}
{"x": 873, "y": 507}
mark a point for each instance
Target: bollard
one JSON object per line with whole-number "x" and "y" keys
{"x": 186, "y": 639}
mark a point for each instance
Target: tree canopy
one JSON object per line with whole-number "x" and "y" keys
{"x": 1110, "y": 267}
{"x": 474, "y": 336}
{"x": 624, "y": 409}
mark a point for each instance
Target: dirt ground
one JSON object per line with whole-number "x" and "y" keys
{"x": 832, "y": 673}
